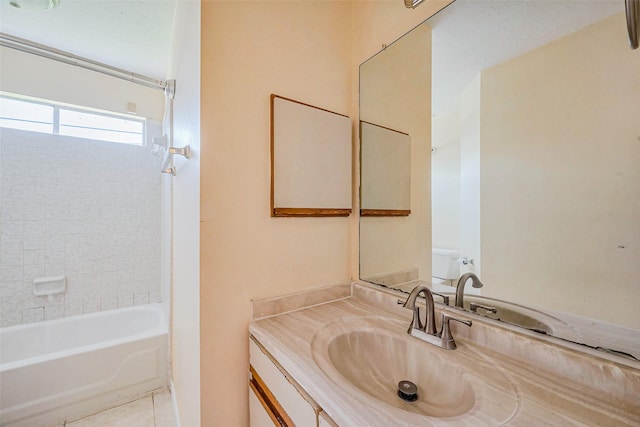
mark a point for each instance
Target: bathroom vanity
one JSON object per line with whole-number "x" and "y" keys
{"x": 338, "y": 360}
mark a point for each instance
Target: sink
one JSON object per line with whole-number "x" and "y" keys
{"x": 368, "y": 356}
{"x": 377, "y": 362}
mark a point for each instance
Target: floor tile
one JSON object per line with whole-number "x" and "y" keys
{"x": 163, "y": 409}
{"x": 138, "y": 413}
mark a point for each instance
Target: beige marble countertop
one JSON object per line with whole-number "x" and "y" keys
{"x": 517, "y": 380}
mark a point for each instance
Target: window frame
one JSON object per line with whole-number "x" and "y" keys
{"x": 57, "y": 106}
{"x": 32, "y": 101}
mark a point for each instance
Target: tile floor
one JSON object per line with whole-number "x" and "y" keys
{"x": 154, "y": 410}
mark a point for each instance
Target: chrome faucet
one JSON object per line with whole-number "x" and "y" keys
{"x": 476, "y": 283}
{"x": 430, "y": 324}
{"x": 428, "y": 332}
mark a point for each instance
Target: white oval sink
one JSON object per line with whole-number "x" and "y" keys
{"x": 377, "y": 362}
{"x": 369, "y": 356}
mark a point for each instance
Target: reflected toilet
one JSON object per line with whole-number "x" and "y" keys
{"x": 445, "y": 269}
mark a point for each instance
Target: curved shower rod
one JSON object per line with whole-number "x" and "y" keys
{"x": 27, "y": 46}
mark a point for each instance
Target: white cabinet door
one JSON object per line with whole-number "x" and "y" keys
{"x": 258, "y": 416}
{"x": 298, "y": 409}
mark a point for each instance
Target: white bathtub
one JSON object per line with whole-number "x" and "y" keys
{"x": 63, "y": 369}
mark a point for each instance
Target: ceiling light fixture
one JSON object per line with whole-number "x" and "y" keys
{"x": 34, "y": 5}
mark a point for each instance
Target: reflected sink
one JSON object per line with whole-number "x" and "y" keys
{"x": 368, "y": 356}
{"x": 508, "y": 312}
{"x": 516, "y": 315}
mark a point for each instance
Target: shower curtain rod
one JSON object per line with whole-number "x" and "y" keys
{"x": 28, "y": 46}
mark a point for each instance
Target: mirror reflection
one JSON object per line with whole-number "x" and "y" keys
{"x": 524, "y": 165}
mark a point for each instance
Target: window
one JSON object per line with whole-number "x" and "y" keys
{"x": 24, "y": 115}
{"x": 59, "y": 119}
{"x": 99, "y": 126}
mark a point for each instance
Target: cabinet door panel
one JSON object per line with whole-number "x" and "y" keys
{"x": 258, "y": 416}
{"x": 300, "y": 411}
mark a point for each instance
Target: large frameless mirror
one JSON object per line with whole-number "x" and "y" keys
{"x": 523, "y": 119}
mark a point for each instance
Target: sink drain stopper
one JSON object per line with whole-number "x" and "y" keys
{"x": 407, "y": 391}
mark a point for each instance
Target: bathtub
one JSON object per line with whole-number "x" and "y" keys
{"x": 67, "y": 368}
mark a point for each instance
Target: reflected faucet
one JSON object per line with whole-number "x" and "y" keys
{"x": 476, "y": 283}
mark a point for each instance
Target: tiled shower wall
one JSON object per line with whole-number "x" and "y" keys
{"x": 89, "y": 210}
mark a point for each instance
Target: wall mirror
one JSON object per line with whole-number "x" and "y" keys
{"x": 524, "y": 119}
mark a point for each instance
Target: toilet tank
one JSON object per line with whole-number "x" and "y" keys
{"x": 444, "y": 265}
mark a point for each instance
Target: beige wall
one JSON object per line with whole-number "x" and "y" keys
{"x": 299, "y": 50}
{"x": 308, "y": 51}
{"x": 561, "y": 183}
{"x": 31, "y": 75}
{"x": 378, "y": 23}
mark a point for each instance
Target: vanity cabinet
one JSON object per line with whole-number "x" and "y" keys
{"x": 259, "y": 413}
{"x": 325, "y": 421}
{"x": 275, "y": 398}
{"x": 329, "y": 356}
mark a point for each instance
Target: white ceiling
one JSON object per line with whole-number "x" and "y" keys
{"x": 471, "y": 35}
{"x": 134, "y": 35}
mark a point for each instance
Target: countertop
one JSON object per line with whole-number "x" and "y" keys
{"x": 509, "y": 389}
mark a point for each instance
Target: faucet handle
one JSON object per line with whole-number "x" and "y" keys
{"x": 445, "y": 298}
{"x": 447, "y": 339}
{"x": 474, "y": 308}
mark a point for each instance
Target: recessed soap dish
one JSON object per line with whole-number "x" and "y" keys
{"x": 49, "y": 285}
